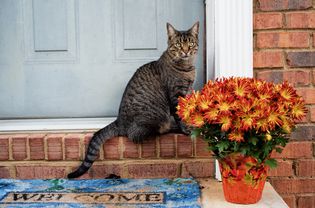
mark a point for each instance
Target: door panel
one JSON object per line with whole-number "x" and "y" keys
{"x": 50, "y": 25}
{"x": 67, "y": 58}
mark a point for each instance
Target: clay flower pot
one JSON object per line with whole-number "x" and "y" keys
{"x": 243, "y": 178}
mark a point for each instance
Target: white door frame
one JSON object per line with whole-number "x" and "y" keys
{"x": 229, "y": 41}
{"x": 229, "y": 53}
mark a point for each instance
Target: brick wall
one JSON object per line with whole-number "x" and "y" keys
{"x": 284, "y": 49}
{"x": 53, "y": 155}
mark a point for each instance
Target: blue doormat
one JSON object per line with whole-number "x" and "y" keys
{"x": 142, "y": 193}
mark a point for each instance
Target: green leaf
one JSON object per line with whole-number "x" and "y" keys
{"x": 253, "y": 140}
{"x": 272, "y": 163}
{"x": 278, "y": 149}
{"x": 195, "y": 133}
{"x": 244, "y": 150}
{"x": 222, "y": 146}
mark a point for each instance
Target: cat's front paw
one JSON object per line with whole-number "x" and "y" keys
{"x": 185, "y": 129}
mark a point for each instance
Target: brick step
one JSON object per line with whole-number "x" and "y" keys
{"x": 54, "y": 155}
{"x": 159, "y": 168}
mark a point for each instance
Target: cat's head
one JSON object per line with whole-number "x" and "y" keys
{"x": 182, "y": 45}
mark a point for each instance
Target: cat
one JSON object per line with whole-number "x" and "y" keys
{"x": 148, "y": 105}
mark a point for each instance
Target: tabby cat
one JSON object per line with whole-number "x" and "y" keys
{"x": 148, "y": 105}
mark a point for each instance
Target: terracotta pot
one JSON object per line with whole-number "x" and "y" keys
{"x": 243, "y": 179}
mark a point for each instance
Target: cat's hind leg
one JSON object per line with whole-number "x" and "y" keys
{"x": 138, "y": 133}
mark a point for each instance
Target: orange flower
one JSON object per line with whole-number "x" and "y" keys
{"x": 211, "y": 114}
{"x": 197, "y": 120}
{"x": 236, "y": 136}
{"x": 225, "y": 122}
{"x": 274, "y": 119}
{"x": 286, "y": 91}
{"x": 247, "y": 122}
{"x": 262, "y": 125}
{"x": 298, "y": 110}
{"x": 241, "y": 87}
{"x": 204, "y": 102}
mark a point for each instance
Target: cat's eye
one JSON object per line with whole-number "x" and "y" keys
{"x": 191, "y": 44}
{"x": 177, "y": 44}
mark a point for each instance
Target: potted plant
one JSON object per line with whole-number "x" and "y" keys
{"x": 243, "y": 120}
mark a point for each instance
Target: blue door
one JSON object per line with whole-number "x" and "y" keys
{"x": 73, "y": 58}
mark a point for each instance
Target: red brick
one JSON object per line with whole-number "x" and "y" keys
{"x": 284, "y": 168}
{"x": 289, "y": 200}
{"x": 308, "y": 94}
{"x": 300, "y": 20}
{"x": 111, "y": 148}
{"x": 54, "y": 145}
{"x": 268, "y": 59}
{"x": 36, "y": 172}
{"x": 5, "y": 172}
{"x": 164, "y": 170}
{"x": 296, "y": 150}
{"x": 297, "y": 78}
{"x": 301, "y": 59}
{"x": 303, "y": 133}
{"x": 19, "y": 151}
{"x": 103, "y": 171}
{"x": 282, "y": 39}
{"x": 306, "y": 201}
{"x": 271, "y": 76}
{"x": 184, "y": 146}
{"x": 267, "y": 20}
{"x": 293, "y": 186}
{"x": 202, "y": 148}
{"x": 149, "y": 148}
{"x": 277, "y": 5}
{"x": 167, "y": 145}
{"x": 72, "y": 147}
{"x": 198, "y": 169}
{"x": 305, "y": 168}
{"x": 312, "y": 112}
{"x": 4, "y": 147}
{"x": 37, "y": 150}
{"x": 131, "y": 150}
{"x": 313, "y": 77}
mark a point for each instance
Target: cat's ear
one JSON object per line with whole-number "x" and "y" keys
{"x": 194, "y": 30}
{"x": 171, "y": 31}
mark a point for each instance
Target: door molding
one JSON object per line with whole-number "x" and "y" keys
{"x": 229, "y": 43}
{"x": 229, "y": 26}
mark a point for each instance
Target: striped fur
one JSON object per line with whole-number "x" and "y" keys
{"x": 148, "y": 105}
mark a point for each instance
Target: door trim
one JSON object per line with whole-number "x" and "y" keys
{"x": 66, "y": 124}
{"x": 229, "y": 26}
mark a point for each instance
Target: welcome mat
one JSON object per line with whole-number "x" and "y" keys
{"x": 142, "y": 193}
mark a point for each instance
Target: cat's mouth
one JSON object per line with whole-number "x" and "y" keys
{"x": 185, "y": 57}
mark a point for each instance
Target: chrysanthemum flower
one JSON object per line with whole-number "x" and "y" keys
{"x": 225, "y": 121}
{"x": 241, "y": 87}
{"x": 247, "y": 122}
{"x": 211, "y": 114}
{"x": 204, "y": 102}
{"x": 236, "y": 136}
{"x": 286, "y": 91}
{"x": 197, "y": 120}
{"x": 298, "y": 110}
{"x": 274, "y": 119}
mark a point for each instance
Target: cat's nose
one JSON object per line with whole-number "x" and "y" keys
{"x": 185, "y": 53}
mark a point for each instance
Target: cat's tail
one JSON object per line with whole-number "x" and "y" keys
{"x": 94, "y": 146}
